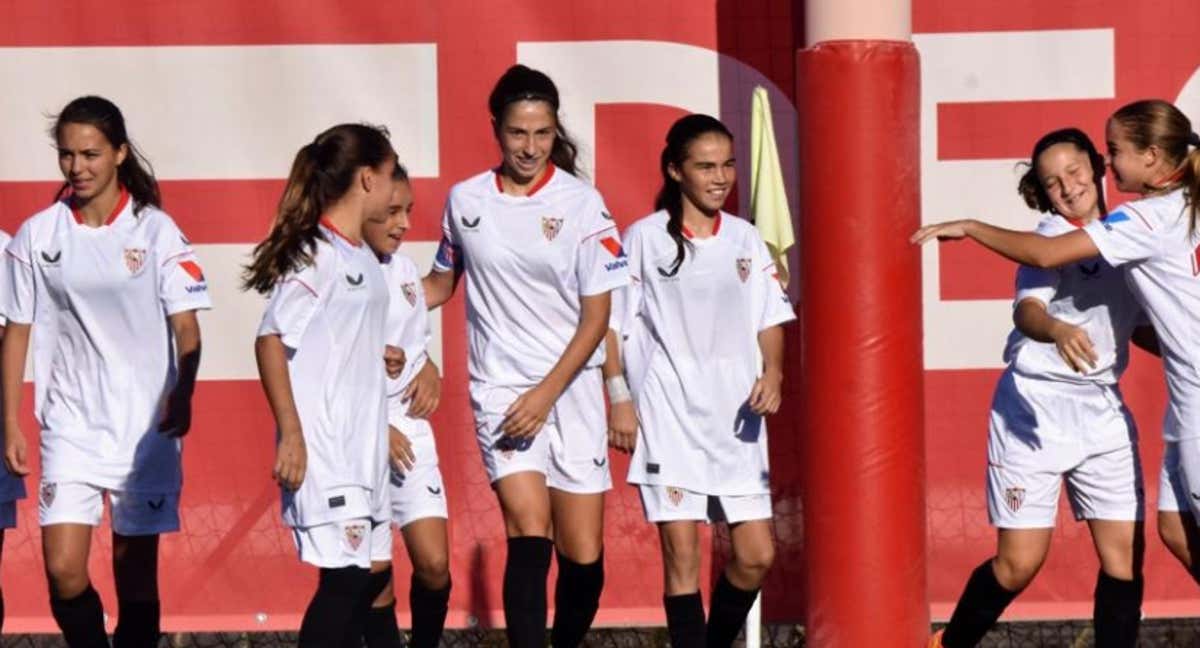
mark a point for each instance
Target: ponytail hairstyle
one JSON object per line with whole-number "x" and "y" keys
{"x": 323, "y": 172}
{"x": 1030, "y": 186}
{"x": 1154, "y": 122}
{"x": 521, "y": 83}
{"x": 135, "y": 173}
{"x": 670, "y": 197}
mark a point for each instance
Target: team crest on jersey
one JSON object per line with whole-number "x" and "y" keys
{"x": 743, "y": 268}
{"x": 135, "y": 258}
{"x": 551, "y": 227}
{"x": 355, "y": 534}
{"x": 47, "y": 492}
{"x": 675, "y": 495}
{"x": 1014, "y": 497}
{"x": 410, "y": 292}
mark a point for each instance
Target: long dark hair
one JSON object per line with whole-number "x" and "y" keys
{"x": 322, "y": 173}
{"x": 1154, "y": 122}
{"x": 135, "y": 173}
{"x": 670, "y": 197}
{"x": 1030, "y": 186}
{"x": 521, "y": 83}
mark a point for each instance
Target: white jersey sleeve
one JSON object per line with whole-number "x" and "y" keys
{"x": 1127, "y": 235}
{"x": 449, "y": 252}
{"x": 5, "y": 239}
{"x": 601, "y": 264}
{"x": 182, "y": 286}
{"x": 294, "y": 301}
{"x": 627, "y": 300}
{"x": 19, "y": 293}
{"x": 776, "y": 307}
{"x": 1037, "y": 283}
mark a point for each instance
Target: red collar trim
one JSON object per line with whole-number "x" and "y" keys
{"x": 120, "y": 207}
{"x": 328, "y": 224}
{"x": 1078, "y": 223}
{"x": 545, "y": 179}
{"x": 716, "y": 227}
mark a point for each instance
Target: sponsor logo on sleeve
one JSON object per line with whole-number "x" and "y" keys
{"x": 135, "y": 258}
{"x": 551, "y": 227}
{"x": 614, "y": 248}
{"x": 194, "y": 271}
{"x": 447, "y": 254}
{"x": 1114, "y": 218}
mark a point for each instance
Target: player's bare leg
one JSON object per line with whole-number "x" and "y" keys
{"x": 74, "y": 603}
{"x": 135, "y": 573}
{"x": 1117, "y": 611}
{"x": 1179, "y": 532}
{"x": 429, "y": 591}
{"x": 681, "y": 582}
{"x": 1, "y": 589}
{"x": 736, "y": 589}
{"x": 579, "y": 541}
{"x": 525, "y": 503}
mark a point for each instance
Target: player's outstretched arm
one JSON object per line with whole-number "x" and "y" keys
{"x": 1026, "y": 248}
{"x": 439, "y": 286}
{"x": 622, "y": 418}
{"x": 13, "y": 349}
{"x": 1073, "y": 344}
{"x": 291, "y": 456}
{"x": 767, "y": 393}
{"x": 177, "y": 419}
{"x": 527, "y": 414}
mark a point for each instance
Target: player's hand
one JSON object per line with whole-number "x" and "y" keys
{"x": 424, "y": 392}
{"x": 291, "y": 460}
{"x": 950, "y": 230}
{"x": 766, "y": 395}
{"x": 400, "y": 449}
{"x": 622, "y": 426}
{"x": 1075, "y": 347}
{"x": 16, "y": 455}
{"x": 177, "y": 417}
{"x": 526, "y": 416}
{"x": 393, "y": 361}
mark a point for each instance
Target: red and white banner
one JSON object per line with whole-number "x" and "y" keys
{"x": 220, "y": 94}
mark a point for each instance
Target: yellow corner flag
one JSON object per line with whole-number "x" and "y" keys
{"x": 768, "y": 197}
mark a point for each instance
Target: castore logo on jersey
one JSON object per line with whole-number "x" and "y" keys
{"x": 52, "y": 259}
{"x": 469, "y": 224}
{"x": 355, "y": 281}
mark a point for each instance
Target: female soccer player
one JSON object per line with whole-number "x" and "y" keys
{"x": 319, "y": 348}
{"x": 541, "y": 254}
{"x": 100, "y": 272}
{"x": 417, "y": 492}
{"x": 12, "y": 487}
{"x": 1155, "y": 238}
{"x": 703, "y": 353}
{"x": 1058, "y": 413}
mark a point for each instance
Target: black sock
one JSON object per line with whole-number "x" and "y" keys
{"x": 81, "y": 619}
{"x": 429, "y": 607}
{"x": 576, "y": 599}
{"x": 685, "y": 620}
{"x": 357, "y": 630}
{"x": 1117, "y": 614}
{"x": 525, "y": 591}
{"x": 982, "y": 602}
{"x": 330, "y": 613}
{"x": 727, "y": 612}
{"x": 382, "y": 631}
{"x": 137, "y": 624}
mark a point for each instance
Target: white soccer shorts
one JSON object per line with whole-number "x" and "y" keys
{"x": 419, "y": 492}
{"x": 134, "y": 513}
{"x": 1042, "y": 432}
{"x": 670, "y": 504}
{"x": 346, "y": 543}
{"x": 1179, "y": 479}
{"x": 571, "y": 449}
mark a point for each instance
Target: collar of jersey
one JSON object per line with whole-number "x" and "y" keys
{"x": 532, "y": 190}
{"x": 328, "y": 224}
{"x": 122, "y": 202}
{"x": 687, "y": 233}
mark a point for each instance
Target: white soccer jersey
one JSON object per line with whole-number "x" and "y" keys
{"x": 11, "y": 486}
{"x": 692, "y": 356}
{"x": 1089, "y": 294}
{"x": 527, "y": 260}
{"x": 331, "y": 315}
{"x": 408, "y": 329}
{"x": 1151, "y": 238}
{"x": 98, "y": 300}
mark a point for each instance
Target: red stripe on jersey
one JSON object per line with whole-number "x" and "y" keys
{"x": 716, "y": 227}
{"x": 18, "y": 258}
{"x": 306, "y": 286}
{"x": 1078, "y": 223}
{"x": 1139, "y": 215}
{"x": 598, "y": 232}
{"x": 328, "y": 224}
{"x": 613, "y": 246}
{"x": 193, "y": 269}
{"x": 542, "y": 181}
{"x": 121, "y": 202}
